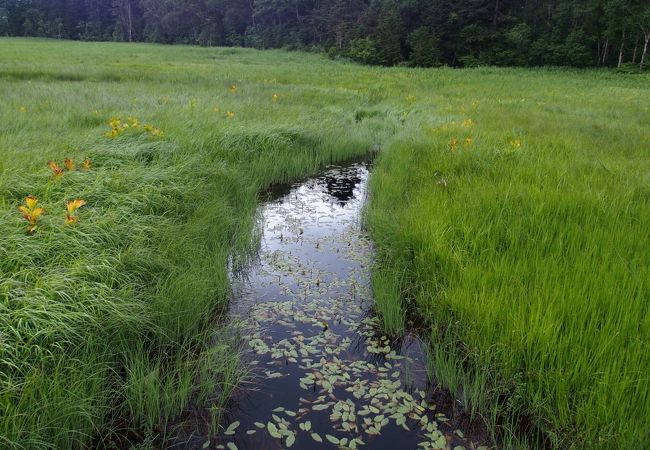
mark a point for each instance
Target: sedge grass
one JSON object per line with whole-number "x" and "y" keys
{"x": 108, "y": 325}
{"x": 527, "y": 246}
{"x": 527, "y": 260}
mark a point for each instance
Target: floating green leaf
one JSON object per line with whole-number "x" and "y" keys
{"x": 273, "y": 430}
{"x": 332, "y": 439}
{"x": 231, "y": 428}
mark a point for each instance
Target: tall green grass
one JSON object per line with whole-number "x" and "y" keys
{"x": 529, "y": 264}
{"x": 110, "y": 328}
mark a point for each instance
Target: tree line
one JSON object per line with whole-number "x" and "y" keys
{"x": 582, "y": 33}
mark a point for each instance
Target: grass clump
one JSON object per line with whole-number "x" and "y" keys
{"x": 386, "y": 285}
{"x": 520, "y": 218}
{"x": 110, "y": 305}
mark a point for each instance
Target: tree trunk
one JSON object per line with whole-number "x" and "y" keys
{"x": 645, "y": 48}
{"x": 129, "y": 21}
{"x": 496, "y": 14}
{"x": 605, "y": 50}
{"x": 636, "y": 45}
{"x": 620, "y": 52}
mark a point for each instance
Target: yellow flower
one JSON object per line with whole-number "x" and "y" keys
{"x": 31, "y": 212}
{"x": 22, "y": 109}
{"x": 71, "y": 207}
{"x": 153, "y": 131}
{"x": 233, "y": 88}
{"x": 117, "y": 127}
{"x": 134, "y": 122}
{"x": 216, "y": 109}
{"x": 468, "y": 123}
{"x": 410, "y": 98}
{"x": 453, "y": 144}
{"x": 275, "y": 97}
{"x": 74, "y": 205}
{"x": 468, "y": 141}
{"x": 85, "y": 165}
{"x": 55, "y": 168}
{"x": 515, "y": 143}
{"x": 31, "y": 201}
{"x": 230, "y": 114}
{"x": 69, "y": 164}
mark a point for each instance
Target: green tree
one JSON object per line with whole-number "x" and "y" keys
{"x": 363, "y": 50}
{"x": 388, "y": 34}
{"x": 424, "y": 44}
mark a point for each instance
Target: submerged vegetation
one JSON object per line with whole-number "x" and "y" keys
{"x": 509, "y": 208}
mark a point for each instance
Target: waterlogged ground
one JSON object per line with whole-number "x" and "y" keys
{"x": 324, "y": 376}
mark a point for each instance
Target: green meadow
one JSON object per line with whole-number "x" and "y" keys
{"x": 509, "y": 207}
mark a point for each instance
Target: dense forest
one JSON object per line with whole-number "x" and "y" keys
{"x": 388, "y": 32}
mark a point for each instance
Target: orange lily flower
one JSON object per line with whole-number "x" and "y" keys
{"x": 31, "y": 212}
{"x": 55, "y": 168}
{"x": 72, "y": 206}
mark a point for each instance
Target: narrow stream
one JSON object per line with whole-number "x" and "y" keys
{"x": 324, "y": 376}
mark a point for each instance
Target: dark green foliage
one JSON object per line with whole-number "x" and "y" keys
{"x": 388, "y": 34}
{"x": 581, "y": 33}
{"x": 363, "y": 50}
{"x": 424, "y": 44}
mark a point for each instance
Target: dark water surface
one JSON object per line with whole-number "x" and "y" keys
{"x": 324, "y": 376}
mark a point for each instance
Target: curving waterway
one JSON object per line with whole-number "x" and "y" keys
{"x": 323, "y": 374}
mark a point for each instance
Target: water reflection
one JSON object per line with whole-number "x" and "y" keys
{"x": 342, "y": 187}
{"x": 326, "y": 377}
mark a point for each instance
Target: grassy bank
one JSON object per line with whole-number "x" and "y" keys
{"x": 524, "y": 247}
{"x": 515, "y": 218}
{"x": 106, "y": 323}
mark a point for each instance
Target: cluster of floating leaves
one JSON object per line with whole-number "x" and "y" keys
{"x": 309, "y": 314}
